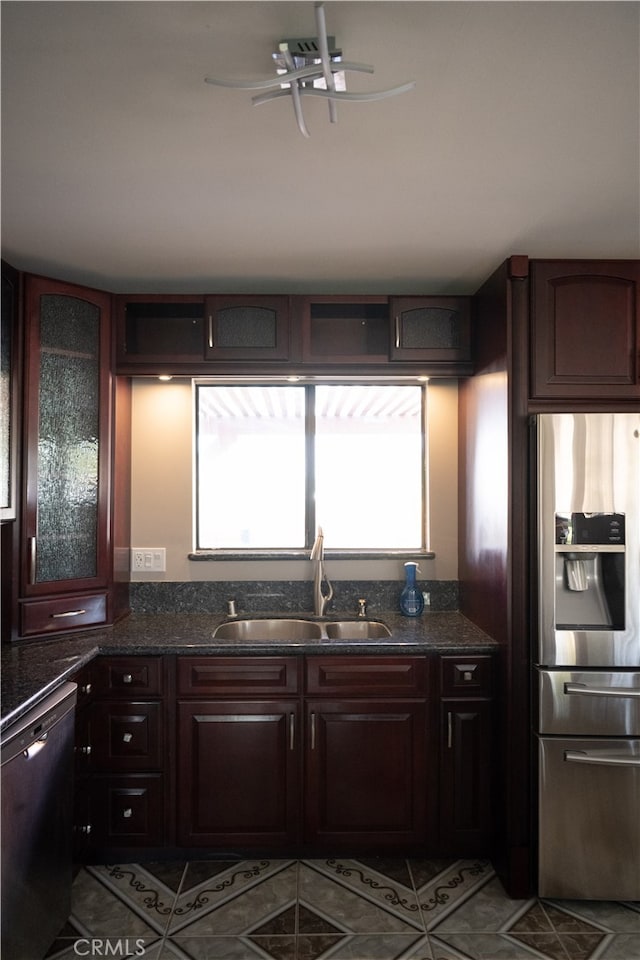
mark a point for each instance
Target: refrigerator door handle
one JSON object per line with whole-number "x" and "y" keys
{"x": 585, "y": 690}
{"x": 612, "y": 760}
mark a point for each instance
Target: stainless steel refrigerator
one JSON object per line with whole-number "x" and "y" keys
{"x": 587, "y": 663}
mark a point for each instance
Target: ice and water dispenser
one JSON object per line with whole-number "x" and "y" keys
{"x": 590, "y": 571}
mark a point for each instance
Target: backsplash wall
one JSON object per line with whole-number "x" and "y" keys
{"x": 293, "y": 596}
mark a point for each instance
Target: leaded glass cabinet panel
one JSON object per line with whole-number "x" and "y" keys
{"x": 67, "y": 451}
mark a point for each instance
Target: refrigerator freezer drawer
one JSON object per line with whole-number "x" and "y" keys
{"x": 589, "y": 828}
{"x": 590, "y": 703}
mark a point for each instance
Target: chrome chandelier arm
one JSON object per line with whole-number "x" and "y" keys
{"x": 294, "y": 90}
{"x": 313, "y": 72}
{"x": 337, "y": 95}
{"x": 321, "y": 27}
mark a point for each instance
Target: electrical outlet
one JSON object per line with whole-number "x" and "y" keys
{"x": 427, "y": 599}
{"x": 148, "y": 559}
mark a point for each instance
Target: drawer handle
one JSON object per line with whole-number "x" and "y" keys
{"x": 586, "y": 756}
{"x": 127, "y": 737}
{"x": 449, "y": 730}
{"x": 127, "y": 678}
{"x": 211, "y": 331}
{"x": 584, "y": 689}
{"x": 67, "y": 613}
{"x": 397, "y": 330}
{"x": 127, "y": 813}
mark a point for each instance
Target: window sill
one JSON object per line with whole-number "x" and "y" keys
{"x": 206, "y": 555}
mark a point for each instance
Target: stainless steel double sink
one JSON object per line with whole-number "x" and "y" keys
{"x": 293, "y": 628}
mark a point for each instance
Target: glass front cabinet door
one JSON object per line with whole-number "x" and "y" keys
{"x": 64, "y": 559}
{"x": 247, "y": 328}
{"x": 436, "y": 329}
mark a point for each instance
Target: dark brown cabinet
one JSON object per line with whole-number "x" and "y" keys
{"x": 238, "y": 752}
{"x": 163, "y": 332}
{"x": 284, "y": 754}
{"x": 366, "y": 752}
{"x": 466, "y": 763}
{"x": 585, "y": 329}
{"x": 353, "y": 771}
{"x": 365, "y": 774}
{"x": 65, "y": 564}
{"x": 243, "y": 327}
{"x": 74, "y": 518}
{"x": 121, "y": 749}
{"x": 431, "y": 329}
{"x": 238, "y": 773}
{"x": 195, "y": 335}
{"x": 345, "y": 330}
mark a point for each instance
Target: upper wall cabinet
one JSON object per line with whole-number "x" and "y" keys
{"x": 65, "y": 517}
{"x": 159, "y": 331}
{"x": 345, "y": 330}
{"x": 435, "y": 329}
{"x": 247, "y": 328}
{"x": 585, "y": 329}
{"x": 196, "y": 336}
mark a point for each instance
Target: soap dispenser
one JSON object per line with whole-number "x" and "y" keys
{"x": 411, "y": 599}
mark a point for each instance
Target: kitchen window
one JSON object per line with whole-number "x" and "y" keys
{"x": 275, "y": 461}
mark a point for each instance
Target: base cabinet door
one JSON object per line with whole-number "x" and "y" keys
{"x": 465, "y": 777}
{"x": 238, "y": 773}
{"x": 365, "y": 773}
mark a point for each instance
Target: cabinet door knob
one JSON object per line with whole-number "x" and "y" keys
{"x": 127, "y": 813}
{"x": 127, "y": 678}
{"x": 85, "y": 751}
{"x": 449, "y": 730}
{"x": 127, "y": 737}
{"x": 84, "y": 828}
{"x": 86, "y": 688}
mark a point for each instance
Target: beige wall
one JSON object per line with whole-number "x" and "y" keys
{"x": 162, "y": 493}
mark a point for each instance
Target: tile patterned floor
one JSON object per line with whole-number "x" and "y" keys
{"x": 333, "y": 909}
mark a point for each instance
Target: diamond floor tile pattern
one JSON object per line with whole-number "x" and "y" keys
{"x": 333, "y": 909}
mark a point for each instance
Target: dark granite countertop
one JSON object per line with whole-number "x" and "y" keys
{"x": 31, "y": 670}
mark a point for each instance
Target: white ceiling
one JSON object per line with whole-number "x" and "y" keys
{"x": 124, "y": 170}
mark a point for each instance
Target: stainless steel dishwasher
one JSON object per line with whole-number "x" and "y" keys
{"x": 37, "y": 803}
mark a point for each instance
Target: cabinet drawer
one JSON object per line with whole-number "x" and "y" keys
{"x": 128, "y": 677}
{"x": 384, "y": 676}
{"x": 234, "y": 676}
{"x": 126, "y": 737}
{"x": 127, "y": 811}
{"x": 461, "y": 676}
{"x": 62, "y": 614}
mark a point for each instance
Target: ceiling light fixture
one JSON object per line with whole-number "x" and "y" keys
{"x": 311, "y": 66}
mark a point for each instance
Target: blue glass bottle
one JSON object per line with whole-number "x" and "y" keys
{"x": 411, "y": 599}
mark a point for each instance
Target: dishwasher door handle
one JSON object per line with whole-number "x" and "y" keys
{"x": 601, "y": 691}
{"x": 34, "y": 748}
{"x": 609, "y": 760}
